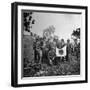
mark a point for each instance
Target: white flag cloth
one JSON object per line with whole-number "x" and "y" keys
{"x": 61, "y": 52}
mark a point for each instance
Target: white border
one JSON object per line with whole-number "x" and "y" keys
{"x": 53, "y": 78}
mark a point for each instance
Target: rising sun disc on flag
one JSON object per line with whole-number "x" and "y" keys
{"x": 61, "y": 52}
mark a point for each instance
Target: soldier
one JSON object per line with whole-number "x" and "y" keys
{"x": 76, "y": 48}
{"x": 59, "y": 50}
{"x": 45, "y": 49}
{"x": 52, "y": 51}
{"x": 68, "y": 49}
{"x": 36, "y": 46}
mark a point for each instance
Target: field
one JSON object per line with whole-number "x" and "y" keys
{"x": 70, "y": 66}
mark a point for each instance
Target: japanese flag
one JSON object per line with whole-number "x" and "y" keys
{"x": 61, "y": 52}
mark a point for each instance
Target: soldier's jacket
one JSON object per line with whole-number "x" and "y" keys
{"x": 69, "y": 47}
{"x": 52, "y": 45}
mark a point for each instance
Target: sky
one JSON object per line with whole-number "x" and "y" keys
{"x": 64, "y": 23}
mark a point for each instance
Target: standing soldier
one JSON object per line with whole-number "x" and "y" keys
{"x": 68, "y": 49}
{"x": 61, "y": 50}
{"x": 36, "y": 47}
{"x": 75, "y": 48}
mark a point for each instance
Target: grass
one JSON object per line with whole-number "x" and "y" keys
{"x": 70, "y": 67}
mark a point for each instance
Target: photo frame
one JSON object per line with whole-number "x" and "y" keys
{"x": 48, "y": 44}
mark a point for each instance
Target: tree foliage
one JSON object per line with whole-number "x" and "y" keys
{"x": 76, "y": 33}
{"x": 48, "y": 31}
{"x": 28, "y": 21}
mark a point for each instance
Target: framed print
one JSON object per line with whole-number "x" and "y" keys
{"x": 49, "y": 44}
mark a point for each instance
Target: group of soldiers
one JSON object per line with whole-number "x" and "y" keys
{"x": 45, "y": 50}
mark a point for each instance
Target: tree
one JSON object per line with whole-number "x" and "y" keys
{"x": 76, "y": 33}
{"x": 28, "y": 21}
{"x": 48, "y": 32}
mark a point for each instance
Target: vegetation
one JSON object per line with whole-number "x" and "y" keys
{"x": 68, "y": 66}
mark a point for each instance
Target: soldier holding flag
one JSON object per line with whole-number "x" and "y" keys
{"x": 61, "y": 50}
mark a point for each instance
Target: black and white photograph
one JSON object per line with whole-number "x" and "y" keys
{"x": 49, "y": 44}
